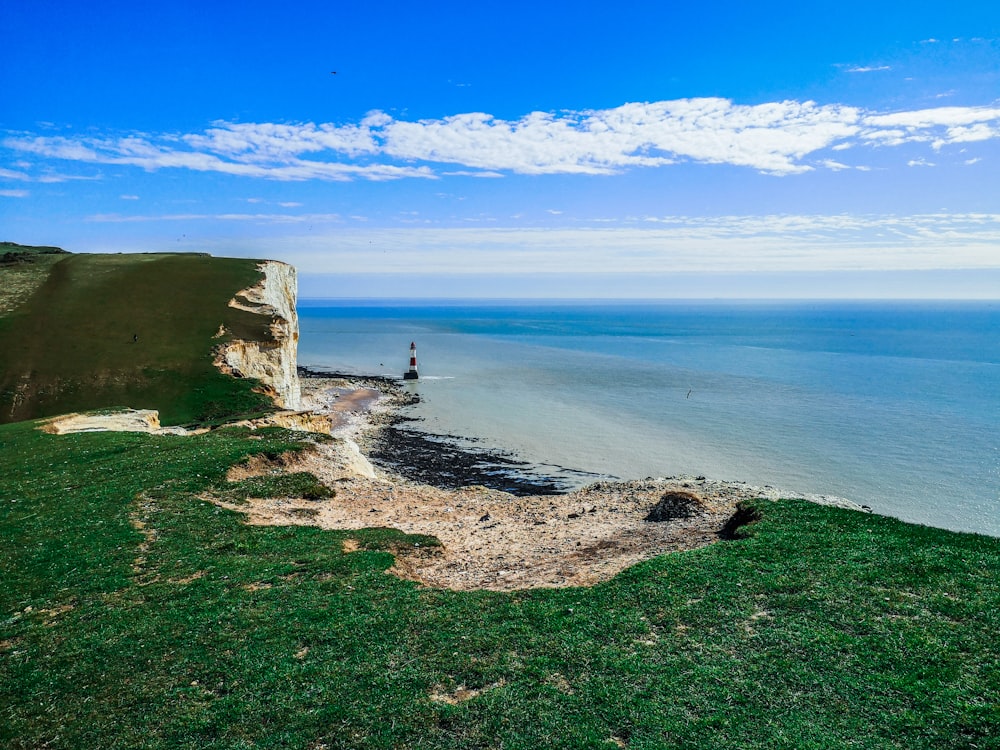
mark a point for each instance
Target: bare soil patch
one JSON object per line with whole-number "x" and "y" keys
{"x": 494, "y": 540}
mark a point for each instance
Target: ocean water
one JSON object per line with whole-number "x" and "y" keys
{"x": 892, "y": 405}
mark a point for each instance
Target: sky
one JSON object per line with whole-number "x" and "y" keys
{"x": 517, "y": 149}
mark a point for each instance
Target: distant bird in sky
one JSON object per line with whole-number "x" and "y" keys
{"x": 333, "y": 72}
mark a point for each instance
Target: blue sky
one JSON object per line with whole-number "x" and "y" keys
{"x": 550, "y": 149}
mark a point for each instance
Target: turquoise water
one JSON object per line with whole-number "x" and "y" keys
{"x": 893, "y": 405}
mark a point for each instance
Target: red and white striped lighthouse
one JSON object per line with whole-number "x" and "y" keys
{"x": 411, "y": 374}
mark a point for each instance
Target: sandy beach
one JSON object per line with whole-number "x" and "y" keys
{"x": 490, "y": 539}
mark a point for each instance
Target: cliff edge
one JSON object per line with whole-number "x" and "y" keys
{"x": 147, "y": 331}
{"x": 272, "y": 362}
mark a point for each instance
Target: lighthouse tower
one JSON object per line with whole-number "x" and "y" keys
{"x": 411, "y": 374}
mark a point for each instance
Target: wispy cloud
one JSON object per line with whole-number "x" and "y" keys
{"x": 14, "y": 193}
{"x": 666, "y": 244}
{"x": 10, "y": 174}
{"x": 868, "y": 68}
{"x": 45, "y": 178}
{"x": 778, "y": 138}
{"x": 257, "y": 218}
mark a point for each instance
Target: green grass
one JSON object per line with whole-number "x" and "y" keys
{"x": 128, "y": 330}
{"x": 135, "y": 614}
{"x": 24, "y": 268}
{"x": 296, "y": 484}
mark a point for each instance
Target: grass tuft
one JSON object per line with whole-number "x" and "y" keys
{"x": 298, "y": 484}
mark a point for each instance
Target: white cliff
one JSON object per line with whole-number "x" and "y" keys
{"x": 273, "y": 362}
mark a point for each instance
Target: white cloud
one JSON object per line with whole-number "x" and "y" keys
{"x": 468, "y": 173}
{"x": 52, "y": 177}
{"x": 934, "y": 117}
{"x": 980, "y": 131}
{"x": 836, "y": 166}
{"x": 869, "y": 68}
{"x": 129, "y": 197}
{"x": 136, "y": 152}
{"x": 10, "y": 174}
{"x": 14, "y": 193}
{"x": 47, "y": 178}
{"x": 779, "y": 138}
{"x": 769, "y": 137}
{"x": 257, "y": 218}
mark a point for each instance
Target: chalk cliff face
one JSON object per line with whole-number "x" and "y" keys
{"x": 271, "y": 362}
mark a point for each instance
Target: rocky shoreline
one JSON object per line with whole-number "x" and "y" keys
{"x": 445, "y": 461}
{"x": 490, "y": 538}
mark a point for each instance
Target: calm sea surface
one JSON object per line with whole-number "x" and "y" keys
{"x": 892, "y": 405}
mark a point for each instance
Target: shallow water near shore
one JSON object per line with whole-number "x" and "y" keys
{"x": 891, "y": 405}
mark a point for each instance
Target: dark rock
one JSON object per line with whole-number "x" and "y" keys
{"x": 673, "y": 505}
{"x": 449, "y": 462}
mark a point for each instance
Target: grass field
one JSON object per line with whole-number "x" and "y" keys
{"x": 135, "y": 614}
{"x": 134, "y": 330}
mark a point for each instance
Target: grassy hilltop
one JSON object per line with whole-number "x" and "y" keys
{"x": 135, "y": 613}
{"x": 92, "y": 331}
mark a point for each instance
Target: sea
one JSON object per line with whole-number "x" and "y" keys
{"x": 893, "y": 405}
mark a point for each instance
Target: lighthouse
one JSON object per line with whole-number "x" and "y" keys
{"x": 411, "y": 374}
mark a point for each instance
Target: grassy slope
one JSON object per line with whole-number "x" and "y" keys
{"x": 23, "y": 268}
{"x": 822, "y": 628}
{"x": 70, "y": 345}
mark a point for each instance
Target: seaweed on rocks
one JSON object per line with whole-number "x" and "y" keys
{"x": 442, "y": 461}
